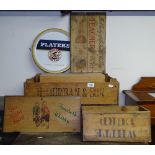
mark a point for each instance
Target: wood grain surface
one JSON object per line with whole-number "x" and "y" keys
{"x": 39, "y": 114}
{"x": 93, "y": 88}
{"x": 114, "y": 123}
{"x": 88, "y": 43}
{"x": 140, "y": 95}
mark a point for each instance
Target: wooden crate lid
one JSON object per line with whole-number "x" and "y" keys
{"x": 41, "y": 114}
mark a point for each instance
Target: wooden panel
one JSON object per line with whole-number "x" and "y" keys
{"x": 150, "y": 107}
{"x": 141, "y": 98}
{"x": 74, "y": 77}
{"x": 153, "y": 121}
{"x": 145, "y": 84}
{"x": 88, "y": 43}
{"x": 144, "y": 96}
{"x": 36, "y": 114}
{"x": 90, "y": 91}
{"x": 113, "y": 123}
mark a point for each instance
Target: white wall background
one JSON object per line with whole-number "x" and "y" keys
{"x": 17, "y": 34}
{"x": 130, "y": 46}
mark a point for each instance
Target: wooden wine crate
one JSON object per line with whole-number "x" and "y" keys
{"x": 93, "y": 88}
{"x": 114, "y": 123}
{"x": 88, "y": 42}
{"x": 42, "y": 114}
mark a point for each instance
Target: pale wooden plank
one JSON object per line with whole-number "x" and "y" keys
{"x": 88, "y": 55}
{"x": 42, "y": 114}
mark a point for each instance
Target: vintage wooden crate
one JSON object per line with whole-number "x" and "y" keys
{"x": 38, "y": 114}
{"x": 114, "y": 123}
{"x": 93, "y": 88}
{"x": 88, "y": 42}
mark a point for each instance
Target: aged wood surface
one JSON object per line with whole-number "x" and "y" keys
{"x": 88, "y": 43}
{"x": 38, "y": 114}
{"x": 113, "y": 123}
{"x": 72, "y": 77}
{"x": 92, "y": 88}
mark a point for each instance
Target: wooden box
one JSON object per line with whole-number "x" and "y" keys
{"x": 143, "y": 93}
{"x": 38, "y": 114}
{"x": 114, "y": 123}
{"x": 93, "y": 88}
{"x": 88, "y": 42}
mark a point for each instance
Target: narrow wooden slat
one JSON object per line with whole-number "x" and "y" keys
{"x": 72, "y": 77}
{"x": 79, "y": 43}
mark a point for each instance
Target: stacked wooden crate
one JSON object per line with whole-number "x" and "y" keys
{"x": 110, "y": 123}
{"x": 61, "y": 96}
